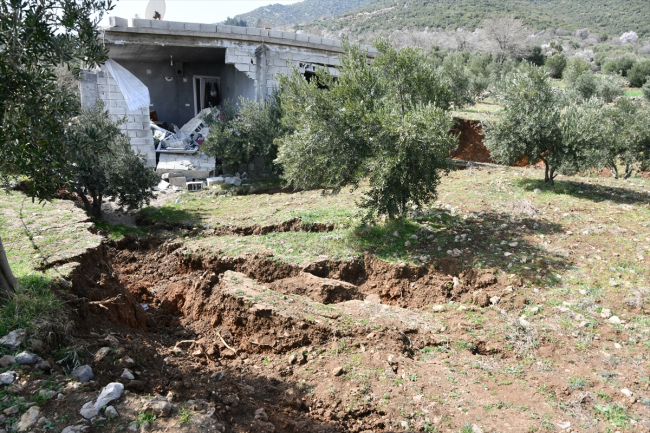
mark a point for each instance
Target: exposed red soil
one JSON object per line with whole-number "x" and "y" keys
{"x": 470, "y": 142}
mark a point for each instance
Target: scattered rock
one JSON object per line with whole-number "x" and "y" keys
{"x": 111, "y": 412}
{"x": 7, "y": 360}
{"x": 101, "y": 354}
{"x": 159, "y": 406}
{"x": 476, "y": 429}
{"x": 126, "y": 374}
{"x": 481, "y": 298}
{"x": 396, "y": 234}
{"x": 75, "y": 429}
{"x": 89, "y": 410}
{"x": 11, "y": 410}
{"x": 414, "y": 237}
{"x": 626, "y": 392}
{"x": 438, "y": 307}
{"x": 418, "y": 398}
{"x": 109, "y": 394}
{"x": 27, "y": 358}
{"x": 337, "y": 371}
{"x": 606, "y": 313}
{"x": 83, "y": 373}
{"x": 523, "y": 322}
{"x": 7, "y": 377}
{"x": 456, "y": 282}
{"x": 170, "y": 396}
{"x": 13, "y": 339}
{"x": 43, "y": 365}
{"x": 494, "y": 300}
{"x": 261, "y": 414}
{"x": 564, "y": 425}
{"x": 29, "y": 418}
{"x": 614, "y": 320}
{"x": 407, "y": 244}
{"x": 617, "y": 346}
{"x": 537, "y": 191}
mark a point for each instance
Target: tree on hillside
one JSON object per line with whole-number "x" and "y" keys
{"x": 108, "y": 166}
{"x": 506, "y": 37}
{"x": 627, "y": 137}
{"x": 534, "y": 126}
{"x": 384, "y": 120}
{"x": 35, "y": 37}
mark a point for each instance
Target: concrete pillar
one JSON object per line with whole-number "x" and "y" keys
{"x": 260, "y": 61}
{"x": 89, "y": 92}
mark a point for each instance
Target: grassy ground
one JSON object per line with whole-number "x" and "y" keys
{"x": 37, "y": 237}
{"x": 633, "y": 92}
{"x": 482, "y": 110}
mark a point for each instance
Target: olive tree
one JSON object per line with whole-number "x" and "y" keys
{"x": 239, "y": 134}
{"x": 384, "y": 120}
{"x": 35, "y": 37}
{"x": 539, "y": 124}
{"x": 627, "y": 136}
{"x": 108, "y": 167}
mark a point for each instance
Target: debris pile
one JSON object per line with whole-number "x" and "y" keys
{"x": 187, "y": 139}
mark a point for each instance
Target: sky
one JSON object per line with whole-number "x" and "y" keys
{"x": 194, "y": 11}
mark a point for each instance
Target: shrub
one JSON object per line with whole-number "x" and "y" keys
{"x": 638, "y": 74}
{"x": 536, "y": 125}
{"x": 585, "y": 84}
{"x": 609, "y": 88}
{"x": 620, "y": 65}
{"x": 575, "y": 67}
{"x": 555, "y": 65}
{"x": 108, "y": 167}
{"x": 237, "y": 135}
{"x": 646, "y": 90}
{"x": 386, "y": 120}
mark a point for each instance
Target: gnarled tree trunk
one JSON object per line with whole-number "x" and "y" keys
{"x": 8, "y": 282}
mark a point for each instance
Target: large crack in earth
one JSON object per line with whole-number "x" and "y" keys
{"x": 189, "y": 317}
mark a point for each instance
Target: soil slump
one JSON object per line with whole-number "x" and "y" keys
{"x": 207, "y": 313}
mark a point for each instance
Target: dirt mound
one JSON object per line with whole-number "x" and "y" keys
{"x": 323, "y": 290}
{"x": 470, "y": 142}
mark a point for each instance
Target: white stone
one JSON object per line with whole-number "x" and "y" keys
{"x": 7, "y": 377}
{"x": 626, "y": 392}
{"x": 494, "y": 300}
{"x": 111, "y": 412}
{"x": 29, "y": 418}
{"x": 75, "y": 429}
{"x": 614, "y": 320}
{"x": 606, "y": 313}
{"x": 564, "y": 425}
{"x": 126, "y": 374}
{"x": 13, "y": 339}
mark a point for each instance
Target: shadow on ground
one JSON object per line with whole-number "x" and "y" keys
{"x": 597, "y": 193}
{"x": 486, "y": 240}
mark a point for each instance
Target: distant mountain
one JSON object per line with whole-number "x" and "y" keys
{"x": 613, "y": 17}
{"x": 304, "y": 12}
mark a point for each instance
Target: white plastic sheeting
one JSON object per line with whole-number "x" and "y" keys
{"x": 136, "y": 94}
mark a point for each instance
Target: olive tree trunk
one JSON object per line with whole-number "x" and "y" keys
{"x": 8, "y": 282}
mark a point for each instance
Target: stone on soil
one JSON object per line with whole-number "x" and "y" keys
{"x": 83, "y": 373}
{"x": 7, "y": 360}
{"x": 158, "y": 405}
{"x": 126, "y": 374}
{"x": 7, "y": 377}
{"x": 29, "y": 418}
{"x": 13, "y": 339}
{"x": 606, "y": 313}
{"x": 26, "y": 358}
{"x": 43, "y": 365}
{"x": 101, "y": 353}
{"x": 75, "y": 429}
{"x": 109, "y": 394}
{"x": 111, "y": 412}
{"x": 614, "y": 320}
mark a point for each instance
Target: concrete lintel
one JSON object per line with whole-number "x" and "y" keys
{"x": 150, "y": 36}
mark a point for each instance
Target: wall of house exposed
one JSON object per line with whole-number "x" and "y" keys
{"x": 174, "y": 100}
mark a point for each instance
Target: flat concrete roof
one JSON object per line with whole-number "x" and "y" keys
{"x": 121, "y": 31}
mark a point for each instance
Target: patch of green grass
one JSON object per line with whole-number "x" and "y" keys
{"x": 33, "y": 303}
{"x": 577, "y": 382}
{"x": 118, "y": 231}
{"x": 184, "y": 415}
{"x": 144, "y": 417}
{"x": 633, "y": 92}
{"x": 614, "y": 414}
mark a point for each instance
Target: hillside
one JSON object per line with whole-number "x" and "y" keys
{"x": 303, "y": 12}
{"x": 613, "y": 17}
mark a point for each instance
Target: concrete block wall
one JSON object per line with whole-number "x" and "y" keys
{"x": 137, "y": 126}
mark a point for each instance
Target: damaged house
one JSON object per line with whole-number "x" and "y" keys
{"x": 163, "y": 74}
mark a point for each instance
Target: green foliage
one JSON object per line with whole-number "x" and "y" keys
{"x": 463, "y": 84}
{"x": 385, "y": 120}
{"x": 626, "y": 136}
{"x": 574, "y": 68}
{"x": 588, "y": 85}
{"x": 599, "y": 16}
{"x": 536, "y": 57}
{"x": 32, "y": 303}
{"x": 539, "y": 125}
{"x": 35, "y": 37}
{"x": 609, "y": 88}
{"x": 639, "y": 73}
{"x": 646, "y": 90}
{"x": 555, "y": 64}
{"x": 237, "y": 135}
{"x": 619, "y": 65}
{"x": 308, "y": 10}
{"x": 235, "y": 22}
{"x": 108, "y": 166}
{"x": 614, "y": 413}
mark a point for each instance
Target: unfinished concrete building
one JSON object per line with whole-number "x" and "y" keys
{"x": 188, "y": 67}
